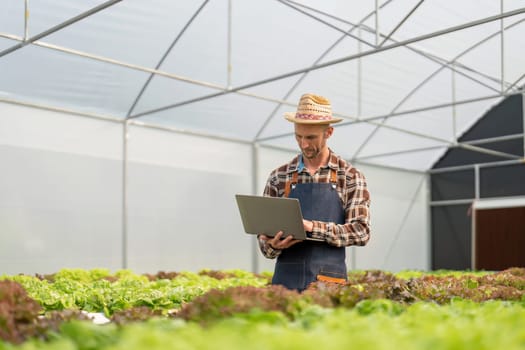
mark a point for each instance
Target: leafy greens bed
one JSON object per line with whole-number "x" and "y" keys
{"x": 237, "y": 309}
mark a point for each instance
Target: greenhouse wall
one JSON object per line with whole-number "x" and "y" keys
{"x": 181, "y": 209}
{"x": 62, "y": 190}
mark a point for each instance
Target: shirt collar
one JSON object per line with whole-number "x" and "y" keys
{"x": 298, "y": 163}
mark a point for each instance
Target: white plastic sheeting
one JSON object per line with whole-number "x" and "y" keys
{"x": 380, "y": 68}
{"x": 64, "y": 201}
{"x": 200, "y": 87}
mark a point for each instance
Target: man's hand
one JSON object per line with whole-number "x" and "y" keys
{"x": 277, "y": 242}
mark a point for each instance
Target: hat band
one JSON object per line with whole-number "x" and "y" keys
{"x": 312, "y": 116}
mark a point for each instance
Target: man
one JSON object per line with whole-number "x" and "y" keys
{"x": 334, "y": 201}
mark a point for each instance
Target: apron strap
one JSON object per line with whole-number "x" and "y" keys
{"x": 291, "y": 183}
{"x": 288, "y": 185}
{"x": 333, "y": 176}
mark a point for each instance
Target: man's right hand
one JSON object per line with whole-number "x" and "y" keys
{"x": 277, "y": 242}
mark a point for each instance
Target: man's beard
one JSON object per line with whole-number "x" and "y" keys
{"x": 315, "y": 152}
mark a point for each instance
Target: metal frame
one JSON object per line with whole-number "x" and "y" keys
{"x": 125, "y": 137}
{"x": 448, "y": 64}
{"x": 315, "y": 66}
{"x": 470, "y": 166}
{"x": 26, "y": 20}
{"x": 318, "y": 60}
{"x": 473, "y": 239}
{"x": 164, "y": 56}
{"x": 430, "y": 56}
{"x": 471, "y": 201}
{"x": 377, "y": 47}
{"x": 502, "y": 48}
{"x": 125, "y": 128}
{"x": 336, "y": 61}
{"x": 55, "y": 28}
{"x": 255, "y": 182}
{"x": 369, "y": 120}
{"x": 523, "y": 110}
{"x": 389, "y": 35}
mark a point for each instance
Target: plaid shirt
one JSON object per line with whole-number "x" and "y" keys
{"x": 352, "y": 190}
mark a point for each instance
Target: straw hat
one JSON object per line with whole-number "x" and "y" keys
{"x": 312, "y": 109}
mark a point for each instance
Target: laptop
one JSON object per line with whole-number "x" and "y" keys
{"x": 269, "y": 215}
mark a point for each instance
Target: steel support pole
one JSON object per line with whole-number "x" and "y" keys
{"x": 255, "y": 183}
{"x": 353, "y": 250}
{"x": 377, "y": 22}
{"x": 477, "y": 183}
{"x": 59, "y": 26}
{"x": 359, "y": 77}
{"x": 429, "y": 220}
{"x": 453, "y": 78}
{"x": 502, "y": 48}
{"x": 26, "y": 20}
{"x": 477, "y": 195}
{"x": 229, "y": 53}
{"x": 125, "y": 137}
{"x": 389, "y": 35}
{"x": 523, "y": 124}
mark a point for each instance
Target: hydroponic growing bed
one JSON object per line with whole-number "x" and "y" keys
{"x": 236, "y": 310}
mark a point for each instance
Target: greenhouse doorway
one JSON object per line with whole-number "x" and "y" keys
{"x": 498, "y": 234}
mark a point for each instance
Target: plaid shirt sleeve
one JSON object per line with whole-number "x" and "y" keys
{"x": 268, "y": 251}
{"x": 356, "y": 229}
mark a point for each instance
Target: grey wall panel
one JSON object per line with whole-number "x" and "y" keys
{"x": 183, "y": 219}
{"x": 503, "y": 181}
{"x": 58, "y": 210}
{"x": 451, "y": 237}
{"x": 453, "y": 185}
{"x": 502, "y": 119}
{"x": 182, "y": 213}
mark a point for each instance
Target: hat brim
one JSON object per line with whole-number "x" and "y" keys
{"x": 290, "y": 116}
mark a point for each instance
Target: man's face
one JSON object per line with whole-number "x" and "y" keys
{"x": 312, "y": 138}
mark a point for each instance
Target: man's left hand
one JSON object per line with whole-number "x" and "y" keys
{"x": 278, "y": 242}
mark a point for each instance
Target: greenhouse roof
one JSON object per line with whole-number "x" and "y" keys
{"x": 408, "y": 77}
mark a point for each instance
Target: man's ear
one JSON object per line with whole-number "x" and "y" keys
{"x": 329, "y": 131}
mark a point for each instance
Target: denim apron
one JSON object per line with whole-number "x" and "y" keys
{"x": 308, "y": 261}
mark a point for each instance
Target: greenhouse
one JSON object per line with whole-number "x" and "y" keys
{"x": 128, "y": 127}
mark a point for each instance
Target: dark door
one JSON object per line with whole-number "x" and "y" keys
{"x": 500, "y": 238}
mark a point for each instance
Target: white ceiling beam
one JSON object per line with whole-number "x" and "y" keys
{"x": 451, "y": 64}
{"x": 337, "y": 61}
{"x": 303, "y": 76}
{"x": 163, "y": 58}
{"x": 433, "y": 57}
{"x": 389, "y": 35}
{"x": 58, "y": 27}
